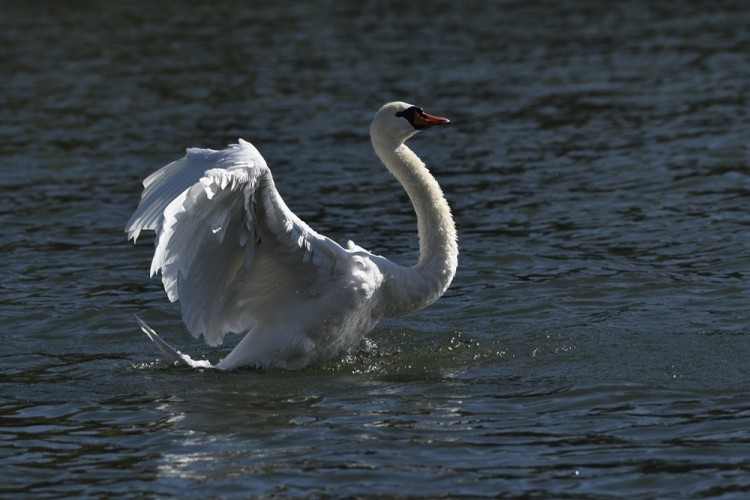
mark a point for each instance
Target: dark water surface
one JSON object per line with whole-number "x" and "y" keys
{"x": 595, "y": 340}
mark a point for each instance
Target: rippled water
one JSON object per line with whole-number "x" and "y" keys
{"x": 594, "y": 342}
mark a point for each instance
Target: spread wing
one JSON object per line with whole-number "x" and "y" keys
{"x": 227, "y": 246}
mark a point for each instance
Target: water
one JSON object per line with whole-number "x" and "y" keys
{"x": 593, "y": 344}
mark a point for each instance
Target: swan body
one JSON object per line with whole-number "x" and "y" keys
{"x": 240, "y": 261}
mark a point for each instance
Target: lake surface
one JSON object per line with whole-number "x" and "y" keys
{"x": 594, "y": 343}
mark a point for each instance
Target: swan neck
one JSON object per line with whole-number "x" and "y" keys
{"x": 417, "y": 286}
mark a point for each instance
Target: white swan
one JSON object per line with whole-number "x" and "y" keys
{"x": 240, "y": 261}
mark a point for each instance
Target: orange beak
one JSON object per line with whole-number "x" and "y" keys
{"x": 425, "y": 120}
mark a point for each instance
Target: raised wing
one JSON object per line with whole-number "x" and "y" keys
{"x": 228, "y": 247}
{"x": 167, "y": 183}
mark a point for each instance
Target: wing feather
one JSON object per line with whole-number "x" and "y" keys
{"x": 228, "y": 248}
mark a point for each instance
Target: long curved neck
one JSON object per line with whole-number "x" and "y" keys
{"x": 415, "y": 287}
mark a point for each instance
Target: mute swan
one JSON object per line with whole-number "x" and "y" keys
{"x": 240, "y": 261}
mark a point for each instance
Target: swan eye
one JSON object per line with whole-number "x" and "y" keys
{"x": 408, "y": 113}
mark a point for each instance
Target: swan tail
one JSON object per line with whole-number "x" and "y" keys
{"x": 169, "y": 353}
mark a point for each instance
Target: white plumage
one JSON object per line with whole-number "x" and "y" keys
{"x": 238, "y": 260}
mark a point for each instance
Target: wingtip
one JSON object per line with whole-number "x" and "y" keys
{"x": 133, "y": 234}
{"x": 169, "y": 353}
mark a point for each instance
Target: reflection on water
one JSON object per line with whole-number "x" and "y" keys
{"x": 594, "y": 339}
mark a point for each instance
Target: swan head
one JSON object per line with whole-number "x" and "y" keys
{"x": 397, "y": 121}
